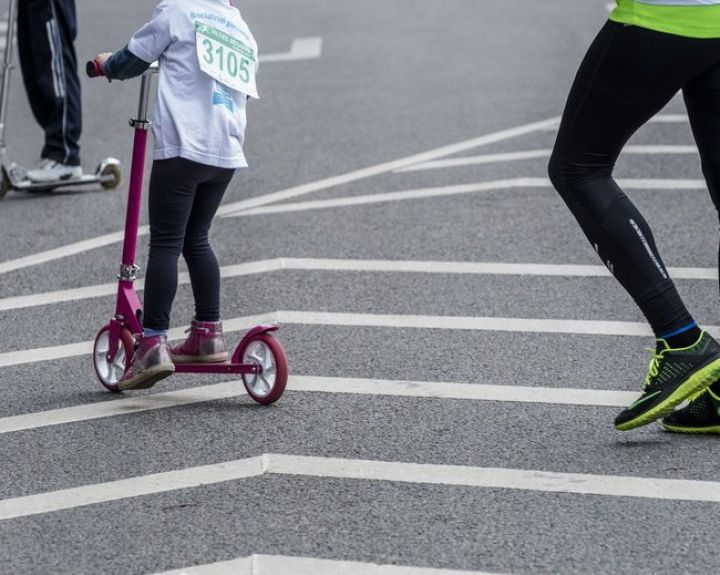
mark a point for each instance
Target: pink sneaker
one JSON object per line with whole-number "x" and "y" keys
{"x": 205, "y": 344}
{"x": 150, "y": 364}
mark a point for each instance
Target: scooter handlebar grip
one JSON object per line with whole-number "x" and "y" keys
{"x": 94, "y": 69}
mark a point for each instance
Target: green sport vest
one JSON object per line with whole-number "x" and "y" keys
{"x": 690, "y": 18}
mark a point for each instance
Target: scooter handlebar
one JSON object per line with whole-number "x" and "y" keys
{"x": 94, "y": 69}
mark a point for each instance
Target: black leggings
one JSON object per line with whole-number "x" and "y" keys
{"x": 183, "y": 199}
{"x": 628, "y": 75}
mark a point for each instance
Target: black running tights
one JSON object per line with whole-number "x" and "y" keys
{"x": 183, "y": 199}
{"x": 628, "y": 75}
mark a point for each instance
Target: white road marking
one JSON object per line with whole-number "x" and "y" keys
{"x": 662, "y": 184}
{"x": 444, "y": 267}
{"x": 100, "y": 241}
{"x": 333, "y": 265}
{"x": 660, "y": 150}
{"x": 669, "y": 119}
{"x": 523, "y": 325}
{"x": 310, "y": 384}
{"x": 88, "y": 292}
{"x": 59, "y": 296}
{"x": 300, "y": 49}
{"x": 85, "y": 347}
{"x": 384, "y": 168}
{"x": 503, "y": 324}
{"x": 658, "y": 119}
{"x": 286, "y": 565}
{"x": 468, "y": 391}
{"x": 336, "y": 468}
{"x": 534, "y": 154}
{"x": 65, "y": 251}
{"x": 395, "y": 196}
{"x": 125, "y": 406}
{"x": 475, "y": 160}
{"x": 444, "y": 191}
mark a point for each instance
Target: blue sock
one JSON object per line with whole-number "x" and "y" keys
{"x": 682, "y": 337}
{"x": 148, "y": 332}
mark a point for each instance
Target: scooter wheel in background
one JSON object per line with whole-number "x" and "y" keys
{"x": 111, "y": 175}
{"x": 264, "y": 350}
{"x": 109, "y": 373}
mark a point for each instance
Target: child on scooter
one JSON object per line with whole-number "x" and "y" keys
{"x": 208, "y": 60}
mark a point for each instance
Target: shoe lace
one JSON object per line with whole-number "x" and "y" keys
{"x": 653, "y": 367}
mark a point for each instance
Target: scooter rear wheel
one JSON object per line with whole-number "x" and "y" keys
{"x": 109, "y": 373}
{"x": 265, "y": 351}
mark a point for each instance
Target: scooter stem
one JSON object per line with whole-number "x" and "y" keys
{"x": 141, "y": 125}
{"x": 132, "y": 216}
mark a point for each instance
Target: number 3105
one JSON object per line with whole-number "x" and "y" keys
{"x": 227, "y": 60}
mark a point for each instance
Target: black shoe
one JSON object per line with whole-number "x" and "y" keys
{"x": 673, "y": 376}
{"x": 701, "y": 416}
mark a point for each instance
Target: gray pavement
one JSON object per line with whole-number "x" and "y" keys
{"x": 394, "y": 80}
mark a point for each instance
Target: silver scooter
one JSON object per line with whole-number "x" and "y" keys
{"x": 14, "y": 177}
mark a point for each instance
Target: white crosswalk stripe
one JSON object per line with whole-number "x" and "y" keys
{"x": 455, "y": 190}
{"x": 537, "y": 154}
{"x": 289, "y": 317}
{"x": 334, "y": 265}
{"x": 309, "y": 384}
{"x": 276, "y": 565}
{"x": 338, "y": 468}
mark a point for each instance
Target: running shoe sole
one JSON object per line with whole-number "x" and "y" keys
{"x": 147, "y": 378}
{"x": 697, "y": 382}
{"x": 675, "y": 429}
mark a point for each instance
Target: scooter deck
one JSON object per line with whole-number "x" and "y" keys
{"x": 30, "y": 186}
{"x": 107, "y": 175}
{"x": 222, "y": 367}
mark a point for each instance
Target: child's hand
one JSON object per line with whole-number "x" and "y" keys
{"x": 101, "y": 58}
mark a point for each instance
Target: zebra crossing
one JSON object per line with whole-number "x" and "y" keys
{"x": 122, "y": 483}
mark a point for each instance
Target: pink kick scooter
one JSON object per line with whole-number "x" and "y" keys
{"x": 259, "y": 358}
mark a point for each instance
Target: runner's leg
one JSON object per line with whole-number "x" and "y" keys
{"x": 628, "y": 75}
{"x": 702, "y": 99}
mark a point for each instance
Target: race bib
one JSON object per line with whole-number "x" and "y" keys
{"x": 226, "y": 59}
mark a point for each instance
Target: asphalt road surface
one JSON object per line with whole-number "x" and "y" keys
{"x": 457, "y": 352}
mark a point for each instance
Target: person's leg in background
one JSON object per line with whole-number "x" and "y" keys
{"x": 46, "y": 34}
{"x": 702, "y": 99}
{"x": 628, "y": 75}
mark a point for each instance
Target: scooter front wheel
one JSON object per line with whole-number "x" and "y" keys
{"x": 265, "y": 351}
{"x": 110, "y": 372}
{"x": 110, "y": 175}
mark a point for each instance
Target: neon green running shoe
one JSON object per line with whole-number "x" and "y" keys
{"x": 673, "y": 376}
{"x": 702, "y": 415}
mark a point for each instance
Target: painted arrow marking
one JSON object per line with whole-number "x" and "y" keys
{"x": 300, "y": 49}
